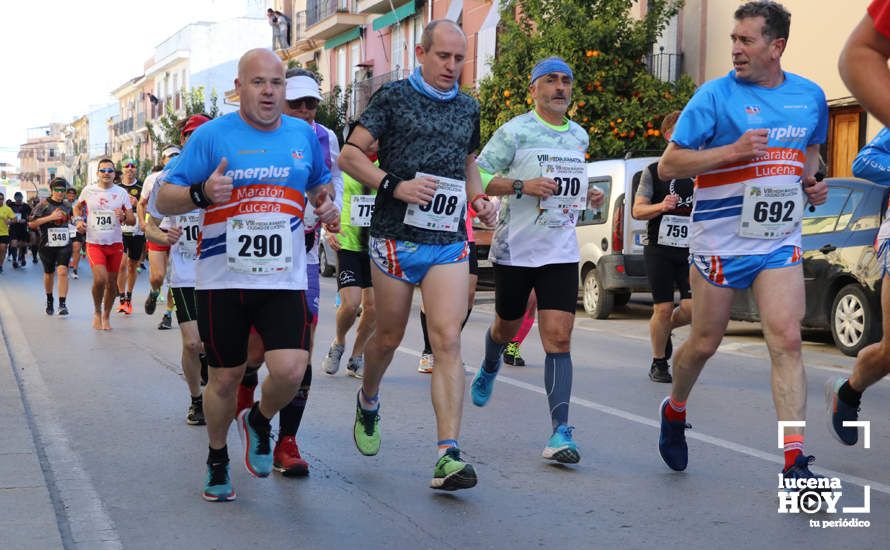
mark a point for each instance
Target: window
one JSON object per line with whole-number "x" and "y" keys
{"x": 52, "y": 153}
{"x": 847, "y": 213}
{"x": 595, "y": 216}
{"x": 824, "y": 217}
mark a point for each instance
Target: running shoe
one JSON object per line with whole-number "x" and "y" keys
{"x": 331, "y": 361}
{"x": 366, "y": 431}
{"x": 195, "y": 415}
{"x": 287, "y": 459}
{"x": 218, "y": 487}
{"x": 1, "y": 269}
{"x": 122, "y": 306}
{"x": 244, "y": 398}
{"x": 166, "y": 322}
{"x": 482, "y": 385}
{"x": 257, "y": 451}
{"x": 15, "y": 264}
{"x": 658, "y": 372}
{"x": 355, "y": 365}
{"x": 128, "y": 307}
{"x": 512, "y": 356}
{"x": 74, "y": 274}
{"x": 426, "y": 363}
{"x": 838, "y": 412}
{"x": 452, "y": 473}
{"x": 63, "y": 309}
{"x": 672, "y": 440}
{"x": 561, "y": 447}
{"x": 49, "y": 306}
{"x": 152, "y": 301}
{"x": 801, "y": 468}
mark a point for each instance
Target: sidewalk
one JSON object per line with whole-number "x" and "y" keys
{"x": 28, "y": 519}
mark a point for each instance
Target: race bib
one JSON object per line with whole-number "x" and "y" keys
{"x": 445, "y": 211}
{"x": 771, "y": 211}
{"x": 18, "y": 216}
{"x": 674, "y": 231}
{"x": 259, "y": 246}
{"x": 72, "y": 231}
{"x": 191, "y": 230}
{"x": 571, "y": 188}
{"x": 101, "y": 221}
{"x": 57, "y": 237}
{"x": 361, "y": 208}
{"x": 128, "y": 229}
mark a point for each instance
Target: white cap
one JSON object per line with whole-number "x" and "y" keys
{"x": 301, "y": 86}
{"x": 170, "y": 150}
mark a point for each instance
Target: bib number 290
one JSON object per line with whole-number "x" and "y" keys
{"x": 260, "y": 246}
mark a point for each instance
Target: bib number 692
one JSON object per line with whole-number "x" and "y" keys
{"x": 259, "y": 246}
{"x": 773, "y": 212}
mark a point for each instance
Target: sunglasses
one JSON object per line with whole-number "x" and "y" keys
{"x": 107, "y": 170}
{"x": 310, "y": 103}
{"x": 129, "y": 166}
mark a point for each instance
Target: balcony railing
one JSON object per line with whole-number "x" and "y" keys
{"x": 319, "y": 10}
{"x": 123, "y": 127}
{"x": 364, "y": 89}
{"x": 665, "y": 66}
{"x": 298, "y": 30}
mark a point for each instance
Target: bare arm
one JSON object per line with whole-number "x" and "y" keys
{"x": 643, "y": 208}
{"x": 863, "y": 68}
{"x": 174, "y": 199}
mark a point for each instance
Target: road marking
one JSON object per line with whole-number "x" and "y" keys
{"x": 716, "y": 441}
{"x": 83, "y": 520}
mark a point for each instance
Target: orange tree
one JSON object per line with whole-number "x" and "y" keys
{"x": 615, "y": 98}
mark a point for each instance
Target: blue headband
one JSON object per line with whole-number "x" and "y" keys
{"x": 551, "y": 65}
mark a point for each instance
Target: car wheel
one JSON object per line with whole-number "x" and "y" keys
{"x": 622, "y": 298}
{"x": 327, "y": 270}
{"x": 852, "y": 320}
{"x": 598, "y": 302}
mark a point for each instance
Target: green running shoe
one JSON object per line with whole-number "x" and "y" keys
{"x": 452, "y": 473}
{"x": 366, "y": 431}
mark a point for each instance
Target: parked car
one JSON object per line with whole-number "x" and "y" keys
{"x": 611, "y": 240}
{"x": 841, "y": 275}
{"x": 327, "y": 257}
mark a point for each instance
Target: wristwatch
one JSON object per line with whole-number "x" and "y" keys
{"x": 517, "y": 188}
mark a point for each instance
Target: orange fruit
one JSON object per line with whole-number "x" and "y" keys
{"x": 506, "y": 93}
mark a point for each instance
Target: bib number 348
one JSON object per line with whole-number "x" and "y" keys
{"x": 771, "y": 211}
{"x": 259, "y": 246}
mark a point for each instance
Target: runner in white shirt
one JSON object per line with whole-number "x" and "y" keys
{"x": 157, "y": 252}
{"x": 536, "y": 162}
{"x": 100, "y": 210}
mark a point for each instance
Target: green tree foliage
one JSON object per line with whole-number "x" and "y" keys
{"x": 166, "y": 130}
{"x": 615, "y": 98}
{"x": 333, "y": 111}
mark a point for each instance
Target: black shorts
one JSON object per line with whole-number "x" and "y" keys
{"x": 53, "y": 257}
{"x": 79, "y": 238}
{"x": 473, "y": 260}
{"x": 556, "y": 286}
{"x": 186, "y": 308}
{"x": 133, "y": 246}
{"x": 19, "y": 232}
{"x": 353, "y": 269}
{"x": 281, "y": 317}
{"x": 4, "y": 239}
{"x": 667, "y": 268}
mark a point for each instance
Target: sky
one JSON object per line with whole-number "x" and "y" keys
{"x": 62, "y": 57}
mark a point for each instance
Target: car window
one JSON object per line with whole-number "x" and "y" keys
{"x": 823, "y": 218}
{"x": 849, "y": 208}
{"x": 593, "y": 216}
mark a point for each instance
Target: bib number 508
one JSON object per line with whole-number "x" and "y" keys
{"x": 441, "y": 204}
{"x": 261, "y": 246}
{"x": 773, "y": 212}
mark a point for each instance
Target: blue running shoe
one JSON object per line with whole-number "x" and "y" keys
{"x": 561, "y": 448}
{"x": 838, "y": 412}
{"x": 801, "y": 470}
{"x": 481, "y": 386}
{"x": 672, "y": 441}
{"x": 257, "y": 449}
{"x": 218, "y": 487}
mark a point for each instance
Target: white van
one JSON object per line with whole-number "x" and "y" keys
{"x": 611, "y": 240}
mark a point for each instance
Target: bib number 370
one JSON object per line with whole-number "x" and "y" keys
{"x": 259, "y": 246}
{"x": 771, "y": 211}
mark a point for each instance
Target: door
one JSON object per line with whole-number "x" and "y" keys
{"x": 846, "y": 136}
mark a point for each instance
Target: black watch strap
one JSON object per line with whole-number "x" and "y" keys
{"x": 517, "y": 188}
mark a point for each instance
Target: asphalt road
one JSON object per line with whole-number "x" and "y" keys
{"x": 124, "y": 470}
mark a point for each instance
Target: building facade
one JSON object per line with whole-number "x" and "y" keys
{"x": 41, "y": 158}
